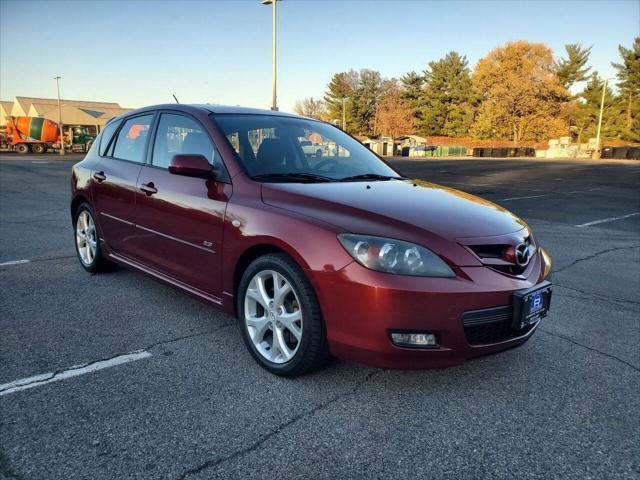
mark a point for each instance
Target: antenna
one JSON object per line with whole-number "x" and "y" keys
{"x": 175, "y": 98}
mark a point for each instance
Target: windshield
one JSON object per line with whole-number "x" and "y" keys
{"x": 277, "y": 148}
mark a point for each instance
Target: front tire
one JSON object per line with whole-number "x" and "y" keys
{"x": 280, "y": 317}
{"x": 87, "y": 241}
{"x": 318, "y": 153}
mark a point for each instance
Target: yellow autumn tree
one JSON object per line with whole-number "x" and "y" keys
{"x": 520, "y": 95}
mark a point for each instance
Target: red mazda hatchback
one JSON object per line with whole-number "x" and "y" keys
{"x": 317, "y": 254}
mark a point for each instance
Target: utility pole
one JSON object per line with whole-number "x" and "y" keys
{"x": 604, "y": 92}
{"x": 274, "y": 101}
{"x": 57, "y": 79}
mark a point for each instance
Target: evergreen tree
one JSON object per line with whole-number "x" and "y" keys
{"x": 342, "y": 86}
{"x": 573, "y": 68}
{"x": 447, "y": 108}
{"x": 629, "y": 85}
{"x": 412, "y": 94}
{"x": 365, "y": 101}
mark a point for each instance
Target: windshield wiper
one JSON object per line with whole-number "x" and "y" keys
{"x": 292, "y": 176}
{"x": 370, "y": 176}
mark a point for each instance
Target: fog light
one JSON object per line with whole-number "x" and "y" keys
{"x": 414, "y": 339}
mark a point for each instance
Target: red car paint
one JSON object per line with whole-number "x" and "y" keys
{"x": 198, "y": 234}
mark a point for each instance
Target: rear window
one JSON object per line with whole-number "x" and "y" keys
{"x": 106, "y": 135}
{"x": 132, "y": 139}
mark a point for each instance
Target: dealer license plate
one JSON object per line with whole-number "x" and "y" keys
{"x": 530, "y": 305}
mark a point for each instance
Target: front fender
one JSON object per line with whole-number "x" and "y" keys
{"x": 311, "y": 243}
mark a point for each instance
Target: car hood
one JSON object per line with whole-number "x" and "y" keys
{"x": 388, "y": 208}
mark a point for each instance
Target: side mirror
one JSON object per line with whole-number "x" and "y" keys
{"x": 191, "y": 166}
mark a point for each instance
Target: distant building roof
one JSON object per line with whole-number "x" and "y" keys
{"x": 74, "y": 112}
{"x": 93, "y": 113}
{"x": 417, "y": 138}
{"x": 25, "y": 102}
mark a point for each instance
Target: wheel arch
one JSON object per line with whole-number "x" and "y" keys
{"x": 256, "y": 251}
{"x": 245, "y": 259}
{"x": 78, "y": 200}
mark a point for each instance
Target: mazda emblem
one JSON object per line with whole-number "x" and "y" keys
{"x": 524, "y": 252}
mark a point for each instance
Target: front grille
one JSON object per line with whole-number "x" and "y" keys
{"x": 488, "y": 251}
{"x": 509, "y": 269}
{"x": 494, "y": 256}
{"x": 490, "y": 325}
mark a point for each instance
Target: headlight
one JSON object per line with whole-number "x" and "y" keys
{"x": 394, "y": 256}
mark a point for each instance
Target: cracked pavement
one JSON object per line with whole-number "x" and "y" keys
{"x": 564, "y": 405}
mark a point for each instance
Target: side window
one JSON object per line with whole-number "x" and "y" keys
{"x": 105, "y": 136}
{"x": 132, "y": 139}
{"x": 178, "y": 134}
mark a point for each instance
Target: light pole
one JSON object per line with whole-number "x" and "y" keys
{"x": 274, "y": 101}
{"x": 57, "y": 79}
{"x": 604, "y": 93}
{"x": 344, "y": 113}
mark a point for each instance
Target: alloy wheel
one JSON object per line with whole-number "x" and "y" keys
{"x": 86, "y": 238}
{"x": 273, "y": 316}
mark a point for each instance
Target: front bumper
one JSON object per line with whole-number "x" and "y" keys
{"x": 361, "y": 307}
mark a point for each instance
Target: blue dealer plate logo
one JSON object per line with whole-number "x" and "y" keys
{"x": 536, "y": 302}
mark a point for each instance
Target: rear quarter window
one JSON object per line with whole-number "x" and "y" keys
{"x": 106, "y": 136}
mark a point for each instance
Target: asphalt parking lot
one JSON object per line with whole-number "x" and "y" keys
{"x": 564, "y": 405}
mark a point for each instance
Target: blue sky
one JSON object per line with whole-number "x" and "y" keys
{"x": 139, "y": 53}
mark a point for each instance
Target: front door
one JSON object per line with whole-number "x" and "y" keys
{"x": 115, "y": 177}
{"x": 179, "y": 219}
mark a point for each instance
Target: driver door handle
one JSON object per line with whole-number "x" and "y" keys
{"x": 148, "y": 188}
{"x": 100, "y": 176}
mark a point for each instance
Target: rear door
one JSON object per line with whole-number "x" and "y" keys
{"x": 179, "y": 219}
{"x": 115, "y": 176}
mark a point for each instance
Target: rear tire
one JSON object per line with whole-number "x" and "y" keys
{"x": 22, "y": 148}
{"x": 293, "y": 318}
{"x": 38, "y": 148}
{"x": 318, "y": 153}
{"x": 87, "y": 241}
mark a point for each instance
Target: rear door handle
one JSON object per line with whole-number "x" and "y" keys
{"x": 100, "y": 176}
{"x": 148, "y": 188}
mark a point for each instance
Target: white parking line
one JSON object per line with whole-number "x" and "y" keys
{"x": 522, "y": 198}
{"x": 14, "y": 262}
{"x": 585, "y": 191}
{"x": 605, "y": 220}
{"x": 43, "y": 379}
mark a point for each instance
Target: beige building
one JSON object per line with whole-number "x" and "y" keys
{"x": 384, "y": 146}
{"x": 93, "y": 115}
{"x": 5, "y": 112}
